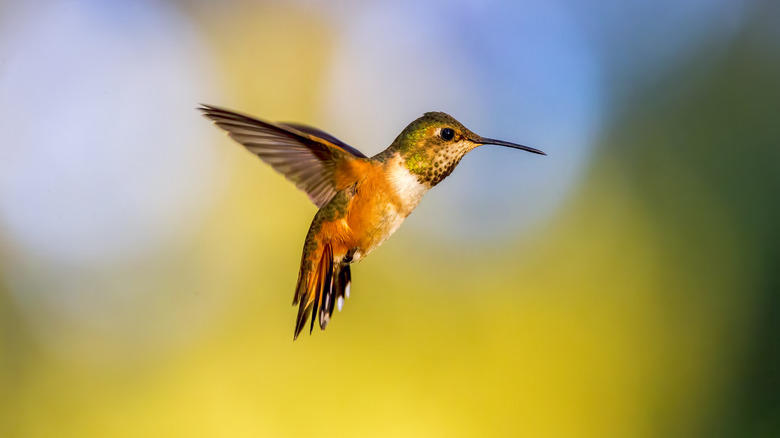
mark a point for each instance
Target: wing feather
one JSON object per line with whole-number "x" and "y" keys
{"x": 306, "y": 156}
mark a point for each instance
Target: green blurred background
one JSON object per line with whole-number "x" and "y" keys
{"x": 626, "y": 285}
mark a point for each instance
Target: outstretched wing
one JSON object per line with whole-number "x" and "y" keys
{"x": 306, "y": 156}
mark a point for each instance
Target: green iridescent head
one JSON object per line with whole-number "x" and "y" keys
{"x": 434, "y": 144}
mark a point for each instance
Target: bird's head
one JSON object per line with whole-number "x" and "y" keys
{"x": 434, "y": 144}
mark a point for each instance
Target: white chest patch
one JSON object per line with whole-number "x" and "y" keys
{"x": 406, "y": 186}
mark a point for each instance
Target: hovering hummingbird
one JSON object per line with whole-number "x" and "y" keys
{"x": 361, "y": 200}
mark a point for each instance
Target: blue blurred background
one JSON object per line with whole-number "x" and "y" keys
{"x": 625, "y": 285}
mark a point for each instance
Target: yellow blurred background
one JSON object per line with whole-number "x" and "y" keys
{"x": 626, "y": 285}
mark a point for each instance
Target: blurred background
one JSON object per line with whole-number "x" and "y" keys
{"x": 626, "y": 285}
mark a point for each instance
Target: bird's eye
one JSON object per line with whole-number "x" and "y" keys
{"x": 447, "y": 134}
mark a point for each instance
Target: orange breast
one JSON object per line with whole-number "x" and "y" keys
{"x": 373, "y": 213}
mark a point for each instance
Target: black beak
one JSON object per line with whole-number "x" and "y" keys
{"x": 483, "y": 140}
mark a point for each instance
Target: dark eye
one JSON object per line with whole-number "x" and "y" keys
{"x": 447, "y": 134}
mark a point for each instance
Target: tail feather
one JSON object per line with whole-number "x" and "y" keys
{"x": 342, "y": 291}
{"x": 303, "y": 295}
{"x": 318, "y": 293}
{"x": 312, "y": 289}
{"x": 334, "y": 296}
{"x": 303, "y": 316}
{"x": 329, "y": 298}
{"x": 324, "y": 283}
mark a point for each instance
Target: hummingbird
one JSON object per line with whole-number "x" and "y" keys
{"x": 362, "y": 200}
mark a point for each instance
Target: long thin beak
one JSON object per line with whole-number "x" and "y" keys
{"x": 483, "y": 140}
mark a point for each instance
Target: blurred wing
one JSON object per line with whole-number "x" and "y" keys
{"x": 306, "y": 156}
